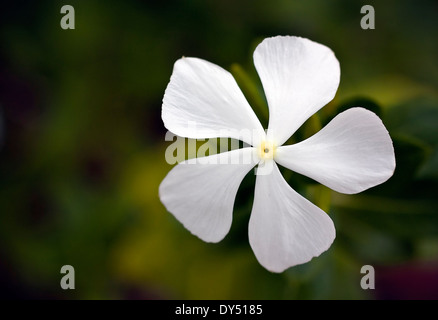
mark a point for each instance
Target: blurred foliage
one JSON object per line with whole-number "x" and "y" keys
{"x": 83, "y": 148}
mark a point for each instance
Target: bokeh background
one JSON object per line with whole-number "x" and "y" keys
{"x": 82, "y": 150}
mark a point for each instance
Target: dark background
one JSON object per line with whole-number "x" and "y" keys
{"x": 82, "y": 150}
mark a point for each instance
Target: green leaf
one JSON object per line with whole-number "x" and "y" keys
{"x": 410, "y": 154}
{"x": 429, "y": 169}
{"x": 363, "y": 102}
{"x": 252, "y": 92}
{"x": 417, "y": 118}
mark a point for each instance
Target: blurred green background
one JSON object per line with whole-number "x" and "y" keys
{"x": 82, "y": 150}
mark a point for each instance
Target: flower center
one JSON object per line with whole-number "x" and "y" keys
{"x": 266, "y": 150}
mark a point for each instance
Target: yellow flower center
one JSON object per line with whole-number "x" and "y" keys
{"x": 267, "y": 150}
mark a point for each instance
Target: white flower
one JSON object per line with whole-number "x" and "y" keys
{"x": 352, "y": 153}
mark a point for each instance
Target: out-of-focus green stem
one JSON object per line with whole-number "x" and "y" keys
{"x": 321, "y": 196}
{"x": 324, "y": 199}
{"x": 251, "y": 92}
{"x": 312, "y": 126}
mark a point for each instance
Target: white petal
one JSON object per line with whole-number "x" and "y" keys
{"x": 286, "y": 229}
{"x": 202, "y": 100}
{"x": 299, "y": 77}
{"x": 352, "y": 153}
{"x": 201, "y": 194}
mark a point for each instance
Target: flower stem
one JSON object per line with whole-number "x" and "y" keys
{"x": 321, "y": 195}
{"x": 312, "y": 126}
{"x": 251, "y": 91}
